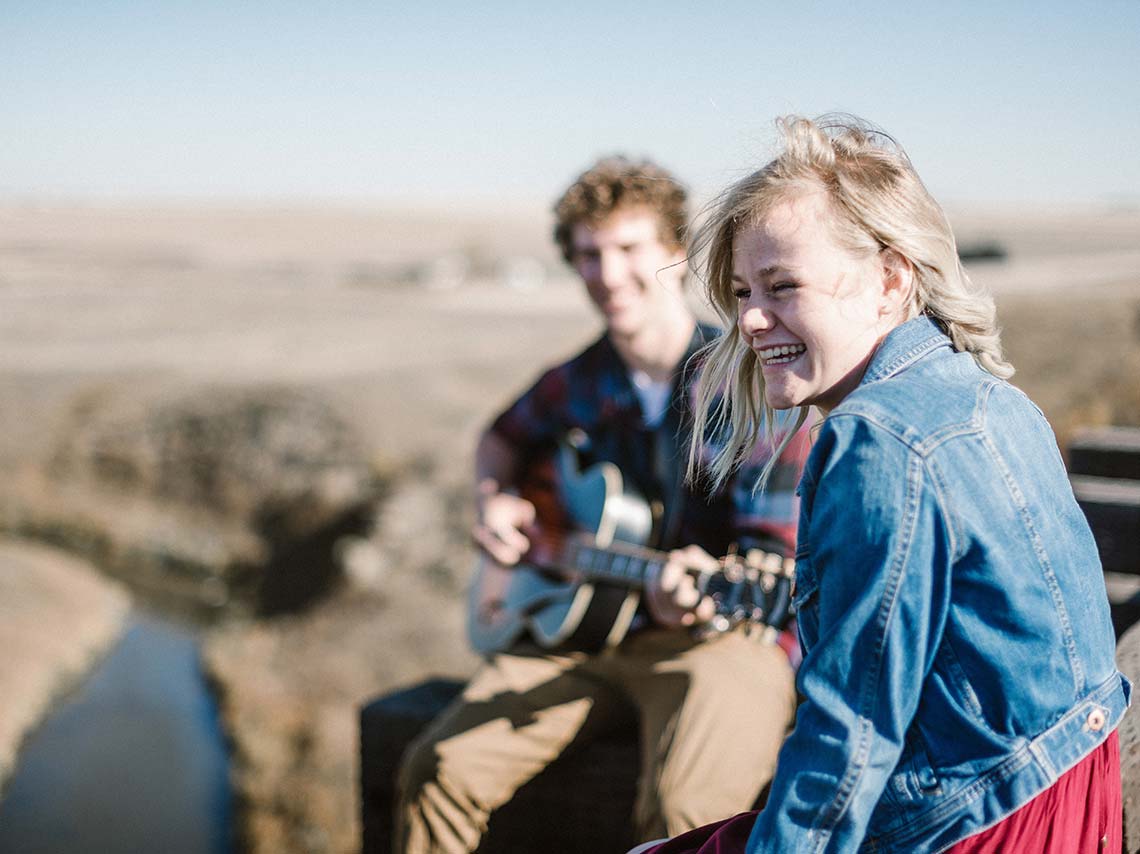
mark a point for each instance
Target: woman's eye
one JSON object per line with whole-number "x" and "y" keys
{"x": 742, "y": 293}
{"x": 783, "y": 286}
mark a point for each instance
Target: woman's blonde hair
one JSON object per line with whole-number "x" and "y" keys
{"x": 877, "y": 202}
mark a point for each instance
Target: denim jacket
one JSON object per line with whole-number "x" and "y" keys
{"x": 959, "y": 655}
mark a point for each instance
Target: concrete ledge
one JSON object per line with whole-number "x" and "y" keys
{"x": 58, "y": 614}
{"x": 1128, "y": 661}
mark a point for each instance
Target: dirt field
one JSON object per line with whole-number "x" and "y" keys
{"x": 416, "y": 328}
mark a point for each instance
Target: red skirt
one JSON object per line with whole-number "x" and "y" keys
{"x": 1079, "y": 814}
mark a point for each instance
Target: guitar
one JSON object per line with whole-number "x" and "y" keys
{"x": 580, "y": 588}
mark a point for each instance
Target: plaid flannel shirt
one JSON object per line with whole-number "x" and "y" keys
{"x": 592, "y": 393}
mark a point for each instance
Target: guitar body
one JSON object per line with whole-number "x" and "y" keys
{"x": 561, "y": 608}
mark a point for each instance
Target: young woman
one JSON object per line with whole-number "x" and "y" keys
{"x": 959, "y": 686}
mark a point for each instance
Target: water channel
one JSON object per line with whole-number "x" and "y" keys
{"x": 132, "y": 761}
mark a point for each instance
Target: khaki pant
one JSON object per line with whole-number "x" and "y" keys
{"x": 713, "y": 715}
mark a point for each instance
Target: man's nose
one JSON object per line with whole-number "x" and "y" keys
{"x": 612, "y": 268}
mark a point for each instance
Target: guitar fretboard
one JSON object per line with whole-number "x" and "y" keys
{"x": 620, "y": 562}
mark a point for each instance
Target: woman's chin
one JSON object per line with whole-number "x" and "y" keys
{"x": 782, "y": 395}
{"x": 780, "y": 402}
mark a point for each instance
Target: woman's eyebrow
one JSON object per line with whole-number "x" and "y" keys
{"x": 765, "y": 273}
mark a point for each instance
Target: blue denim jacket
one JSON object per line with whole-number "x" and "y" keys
{"x": 959, "y": 655}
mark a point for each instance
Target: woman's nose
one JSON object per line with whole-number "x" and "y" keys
{"x": 753, "y": 320}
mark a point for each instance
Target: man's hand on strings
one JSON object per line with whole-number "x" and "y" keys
{"x": 672, "y": 594}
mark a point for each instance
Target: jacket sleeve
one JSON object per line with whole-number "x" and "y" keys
{"x": 872, "y": 573}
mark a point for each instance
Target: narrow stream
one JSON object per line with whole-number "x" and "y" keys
{"x": 132, "y": 761}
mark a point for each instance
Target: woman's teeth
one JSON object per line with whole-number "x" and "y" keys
{"x": 780, "y": 355}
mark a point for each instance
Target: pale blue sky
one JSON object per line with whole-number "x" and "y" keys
{"x": 386, "y": 103}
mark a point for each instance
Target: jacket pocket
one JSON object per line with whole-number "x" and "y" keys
{"x": 914, "y": 777}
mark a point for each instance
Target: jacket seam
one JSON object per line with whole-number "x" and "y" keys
{"x": 829, "y": 819}
{"x": 924, "y": 448}
{"x": 942, "y": 500}
{"x": 1044, "y": 564}
{"x": 908, "y": 357}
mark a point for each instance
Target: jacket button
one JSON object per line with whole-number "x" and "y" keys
{"x": 1096, "y": 720}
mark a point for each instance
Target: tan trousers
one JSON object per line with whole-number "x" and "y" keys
{"x": 713, "y": 715}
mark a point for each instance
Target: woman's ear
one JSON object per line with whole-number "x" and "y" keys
{"x": 898, "y": 283}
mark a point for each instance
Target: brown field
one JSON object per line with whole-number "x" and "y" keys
{"x": 415, "y": 327}
{"x": 359, "y": 303}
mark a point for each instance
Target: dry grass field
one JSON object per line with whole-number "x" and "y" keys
{"x": 414, "y": 327}
{"x": 360, "y": 304}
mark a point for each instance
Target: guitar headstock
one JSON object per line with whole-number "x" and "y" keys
{"x": 754, "y": 589}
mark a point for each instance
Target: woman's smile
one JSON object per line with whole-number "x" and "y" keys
{"x": 779, "y": 354}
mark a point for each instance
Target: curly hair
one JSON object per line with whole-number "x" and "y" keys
{"x": 876, "y": 201}
{"x": 619, "y": 183}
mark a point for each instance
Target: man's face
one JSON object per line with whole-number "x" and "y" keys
{"x": 628, "y": 270}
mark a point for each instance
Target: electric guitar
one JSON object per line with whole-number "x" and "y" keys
{"x": 581, "y": 582}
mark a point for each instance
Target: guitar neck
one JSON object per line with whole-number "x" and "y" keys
{"x": 620, "y": 563}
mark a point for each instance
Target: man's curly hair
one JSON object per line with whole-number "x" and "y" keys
{"x": 618, "y": 183}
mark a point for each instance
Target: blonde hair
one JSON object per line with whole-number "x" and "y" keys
{"x": 877, "y": 202}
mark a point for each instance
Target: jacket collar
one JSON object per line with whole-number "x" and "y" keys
{"x": 904, "y": 345}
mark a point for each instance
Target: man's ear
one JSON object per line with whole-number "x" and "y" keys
{"x": 898, "y": 283}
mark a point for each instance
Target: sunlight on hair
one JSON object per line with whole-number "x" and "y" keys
{"x": 877, "y": 202}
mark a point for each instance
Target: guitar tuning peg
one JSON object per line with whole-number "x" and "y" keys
{"x": 577, "y": 439}
{"x": 718, "y": 625}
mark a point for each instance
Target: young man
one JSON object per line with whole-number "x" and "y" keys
{"x": 627, "y": 398}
